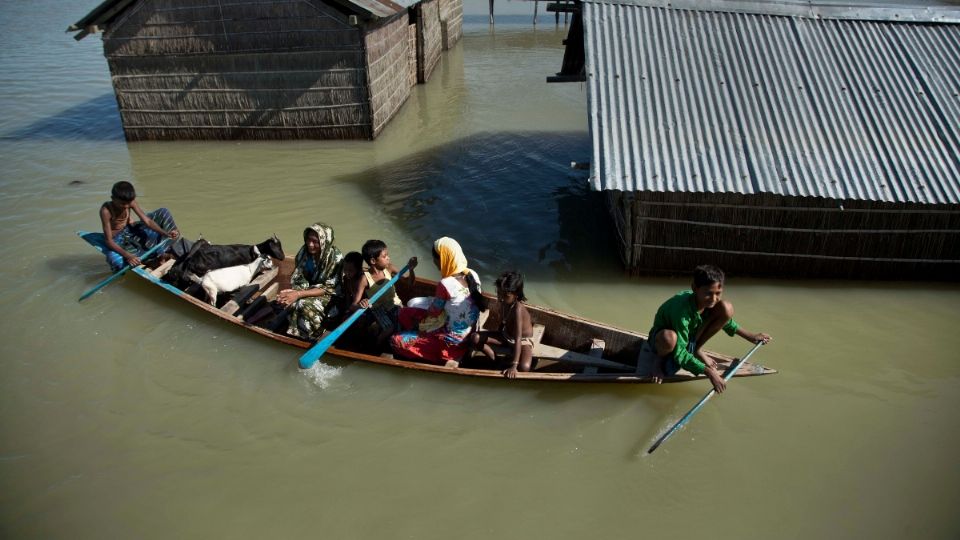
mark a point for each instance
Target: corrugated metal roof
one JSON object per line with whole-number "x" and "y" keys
{"x": 684, "y": 100}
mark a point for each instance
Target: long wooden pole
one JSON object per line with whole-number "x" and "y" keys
{"x": 733, "y": 369}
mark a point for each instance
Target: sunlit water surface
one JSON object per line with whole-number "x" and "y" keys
{"x": 133, "y": 416}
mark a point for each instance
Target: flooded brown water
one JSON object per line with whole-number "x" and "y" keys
{"x": 131, "y": 415}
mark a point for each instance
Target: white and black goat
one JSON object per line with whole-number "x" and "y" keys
{"x": 230, "y": 278}
{"x": 204, "y": 257}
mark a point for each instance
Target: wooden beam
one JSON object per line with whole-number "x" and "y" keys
{"x": 562, "y": 355}
{"x": 562, "y": 7}
{"x": 566, "y": 78}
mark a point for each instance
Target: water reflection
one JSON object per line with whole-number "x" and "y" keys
{"x": 507, "y": 199}
{"x": 96, "y": 119}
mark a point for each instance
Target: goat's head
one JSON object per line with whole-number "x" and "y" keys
{"x": 271, "y": 246}
{"x": 266, "y": 263}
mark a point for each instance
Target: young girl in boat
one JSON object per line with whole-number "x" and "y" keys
{"x": 515, "y": 330}
{"x": 123, "y": 240}
{"x": 685, "y": 322}
{"x": 437, "y": 334}
{"x": 313, "y": 282}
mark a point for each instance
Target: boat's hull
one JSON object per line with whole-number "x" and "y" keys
{"x": 561, "y": 332}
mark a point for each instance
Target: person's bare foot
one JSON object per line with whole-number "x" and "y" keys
{"x": 452, "y": 364}
{"x": 657, "y": 375}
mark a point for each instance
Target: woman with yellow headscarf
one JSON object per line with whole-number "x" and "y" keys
{"x": 438, "y": 334}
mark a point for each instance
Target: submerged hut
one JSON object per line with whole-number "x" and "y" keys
{"x": 267, "y": 69}
{"x": 775, "y": 138}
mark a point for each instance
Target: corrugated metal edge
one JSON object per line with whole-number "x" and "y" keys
{"x": 920, "y": 11}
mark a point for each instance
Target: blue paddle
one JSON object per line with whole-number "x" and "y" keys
{"x": 696, "y": 407}
{"x": 313, "y": 354}
{"x": 121, "y": 272}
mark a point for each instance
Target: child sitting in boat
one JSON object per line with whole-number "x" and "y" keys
{"x": 688, "y": 320}
{"x": 351, "y": 278}
{"x": 515, "y": 330}
{"x": 379, "y": 271}
{"x": 123, "y": 241}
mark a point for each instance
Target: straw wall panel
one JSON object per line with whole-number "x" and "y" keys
{"x": 387, "y": 50}
{"x": 451, "y": 22}
{"x": 240, "y": 69}
{"x": 412, "y": 58}
{"x": 247, "y": 133}
{"x": 171, "y": 100}
{"x": 243, "y": 80}
{"x": 787, "y": 237}
{"x": 336, "y": 115}
{"x": 429, "y": 39}
{"x": 286, "y": 62}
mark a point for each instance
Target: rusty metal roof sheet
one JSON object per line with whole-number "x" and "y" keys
{"x": 708, "y": 101}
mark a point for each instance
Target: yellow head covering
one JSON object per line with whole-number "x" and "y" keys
{"x": 452, "y": 260}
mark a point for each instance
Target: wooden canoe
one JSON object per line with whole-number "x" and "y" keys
{"x": 568, "y": 349}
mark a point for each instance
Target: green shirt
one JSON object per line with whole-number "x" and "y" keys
{"x": 680, "y": 315}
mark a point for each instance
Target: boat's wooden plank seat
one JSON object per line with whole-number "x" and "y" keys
{"x": 162, "y": 270}
{"x": 596, "y": 350}
{"x": 260, "y": 306}
{"x": 262, "y": 279}
{"x": 563, "y": 355}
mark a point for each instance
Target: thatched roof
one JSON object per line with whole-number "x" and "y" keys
{"x": 102, "y": 16}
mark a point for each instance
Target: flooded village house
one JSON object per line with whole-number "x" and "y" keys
{"x": 794, "y": 138}
{"x": 268, "y": 69}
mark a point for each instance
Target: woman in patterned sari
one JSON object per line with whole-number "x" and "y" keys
{"x": 315, "y": 280}
{"x": 438, "y": 334}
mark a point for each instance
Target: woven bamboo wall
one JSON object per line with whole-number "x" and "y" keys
{"x": 429, "y": 42}
{"x": 767, "y": 235}
{"x": 388, "y": 70}
{"x": 451, "y": 22}
{"x": 247, "y": 69}
{"x": 412, "y": 58}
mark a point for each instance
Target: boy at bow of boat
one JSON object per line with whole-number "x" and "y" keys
{"x": 514, "y": 322}
{"x": 123, "y": 240}
{"x": 688, "y": 320}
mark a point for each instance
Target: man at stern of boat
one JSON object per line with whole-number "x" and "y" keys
{"x": 688, "y": 320}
